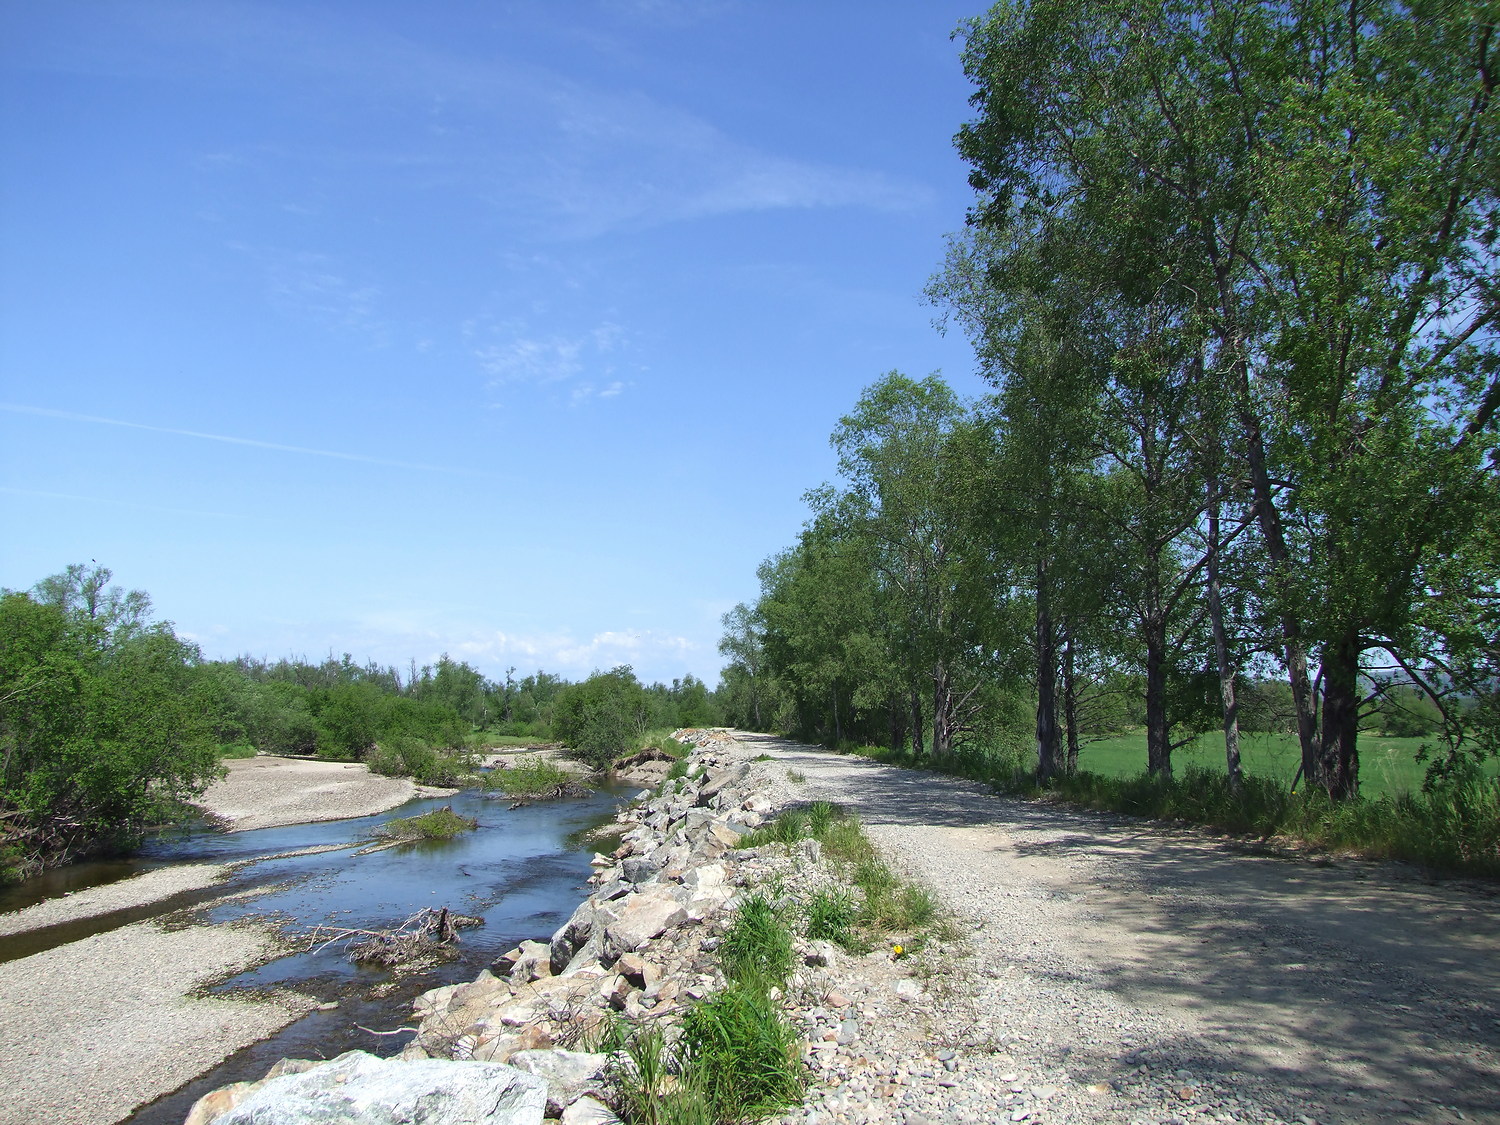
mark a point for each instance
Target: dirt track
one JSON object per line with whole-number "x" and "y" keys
{"x": 1336, "y": 990}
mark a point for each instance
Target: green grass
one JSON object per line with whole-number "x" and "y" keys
{"x": 757, "y": 946}
{"x": 532, "y": 778}
{"x": 886, "y": 905}
{"x": 236, "y": 750}
{"x": 1387, "y": 766}
{"x": 740, "y": 1055}
{"x": 831, "y": 916}
{"x": 737, "y": 1059}
{"x": 439, "y": 824}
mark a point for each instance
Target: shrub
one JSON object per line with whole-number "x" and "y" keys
{"x": 439, "y": 824}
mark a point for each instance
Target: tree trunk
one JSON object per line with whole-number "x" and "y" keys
{"x": 1070, "y": 704}
{"x": 1046, "y": 681}
{"x": 1158, "y": 742}
{"x": 838, "y": 730}
{"x": 916, "y": 725}
{"x": 898, "y": 725}
{"x": 1339, "y": 773}
{"x": 942, "y": 714}
{"x": 1269, "y": 520}
{"x": 1221, "y": 642}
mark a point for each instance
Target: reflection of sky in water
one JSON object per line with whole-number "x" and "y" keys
{"x": 515, "y": 871}
{"x": 518, "y": 871}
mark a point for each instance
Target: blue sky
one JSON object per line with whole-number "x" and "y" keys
{"x": 510, "y": 330}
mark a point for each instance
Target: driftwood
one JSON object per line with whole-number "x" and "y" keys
{"x": 429, "y": 934}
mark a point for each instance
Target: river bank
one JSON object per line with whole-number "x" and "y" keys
{"x": 266, "y": 792}
{"x": 1100, "y": 968}
{"x": 111, "y": 996}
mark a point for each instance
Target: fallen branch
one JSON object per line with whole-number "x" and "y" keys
{"x": 430, "y": 933}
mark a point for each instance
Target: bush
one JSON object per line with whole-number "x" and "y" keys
{"x": 601, "y": 717}
{"x": 533, "y": 778}
{"x": 439, "y": 824}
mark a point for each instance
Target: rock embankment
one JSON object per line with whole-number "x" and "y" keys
{"x": 640, "y": 946}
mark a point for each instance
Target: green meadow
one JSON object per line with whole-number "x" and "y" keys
{"x": 1387, "y": 766}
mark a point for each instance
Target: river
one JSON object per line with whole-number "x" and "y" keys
{"x": 523, "y": 871}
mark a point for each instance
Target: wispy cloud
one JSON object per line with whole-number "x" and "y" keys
{"x": 586, "y": 392}
{"x": 315, "y": 286}
{"x": 576, "y": 657}
{"x": 69, "y": 416}
{"x": 588, "y": 360}
{"x": 563, "y": 156}
{"x": 549, "y": 360}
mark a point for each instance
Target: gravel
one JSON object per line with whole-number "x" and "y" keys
{"x": 1113, "y": 970}
{"x": 266, "y": 792}
{"x": 92, "y": 1029}
{"x": 138, "y": 890}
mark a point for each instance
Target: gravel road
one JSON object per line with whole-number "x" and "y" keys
{"x": 1117, "y": 970}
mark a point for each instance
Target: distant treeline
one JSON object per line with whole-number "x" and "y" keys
{"x": 109, "y": 721}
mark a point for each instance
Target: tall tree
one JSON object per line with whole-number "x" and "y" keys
{"x": 1322, "y": 177}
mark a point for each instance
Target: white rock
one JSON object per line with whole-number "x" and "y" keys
{"x": 360, "y": 1087}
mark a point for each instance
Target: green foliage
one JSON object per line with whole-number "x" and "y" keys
{"x": 601, "y": 717}
{"x": 737, "y": 1060}
{"x": 740, "y": 1055}
{"x": 107, "y": 722}
{"x": 757, "y": 946}
{"x": 531, "y": 778}
{"x": 439, "y": 824}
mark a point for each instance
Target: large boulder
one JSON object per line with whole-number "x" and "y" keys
{"x": 360, "y": 1087}
{"x": 645, "y": 916}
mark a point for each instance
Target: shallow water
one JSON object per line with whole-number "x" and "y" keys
{"x": 519, "y": 871}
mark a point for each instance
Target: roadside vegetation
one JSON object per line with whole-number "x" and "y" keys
{"x": 1237, "y": 469}
{"x": 875, "y": 906}
{"x": 737, "y": 1060}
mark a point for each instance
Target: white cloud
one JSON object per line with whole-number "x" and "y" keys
{"x": 653, "y": 654}
{"x": 549, "y": 360}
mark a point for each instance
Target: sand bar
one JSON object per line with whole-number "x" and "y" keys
{"x": 266, "y": 792}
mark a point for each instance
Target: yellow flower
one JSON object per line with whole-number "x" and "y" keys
{"x": 897, "y": 950}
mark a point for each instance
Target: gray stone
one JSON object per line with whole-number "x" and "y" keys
{"x": 587, "y": 1111}
{"x": 569, "y": 1074}
{"x": 360, "y": 1087}
{"x": 639, "y": 869}
{"x": 645, "y": 916}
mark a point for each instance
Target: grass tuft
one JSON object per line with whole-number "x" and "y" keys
{"x": 439, "y": 824}
{"x": 831, "y": 916}
{"x": 757, "y": 946}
